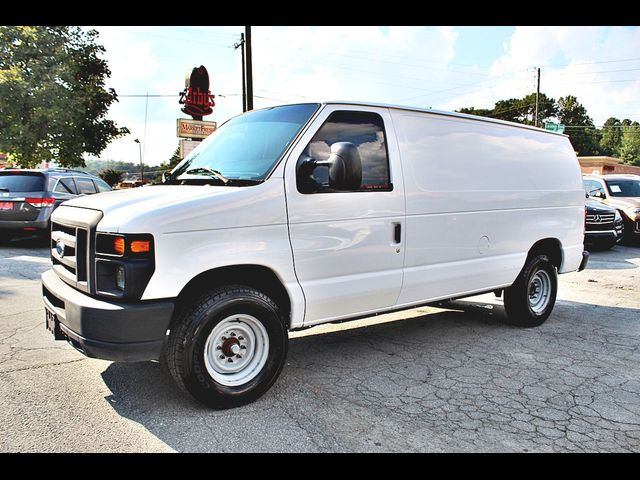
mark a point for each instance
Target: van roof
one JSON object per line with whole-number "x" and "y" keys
{"x": 444, "y": 113}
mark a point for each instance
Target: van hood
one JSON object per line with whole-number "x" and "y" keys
{"x": 164, "y": 209}
{"x": 145, "y": 198}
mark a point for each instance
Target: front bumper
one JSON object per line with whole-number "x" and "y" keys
{"x": 22, "y": 224}
{"x": 123, "y": 332}
{"x": 597, "y": 236}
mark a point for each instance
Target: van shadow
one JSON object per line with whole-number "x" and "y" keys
{"x": 356, "y": 380}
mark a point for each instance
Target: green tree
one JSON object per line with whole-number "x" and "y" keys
{"x": 518, "y": 110}
{"x": 584, "y": 137}
{"x": 630, "y": 144}
{"x": 111, "y": 176}
{"x": 53, "y": 99}
{"x": 482, "y": 112}
{"x": 611, "y": 136}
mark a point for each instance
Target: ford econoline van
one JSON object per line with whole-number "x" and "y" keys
{"x": 298, "y": 215}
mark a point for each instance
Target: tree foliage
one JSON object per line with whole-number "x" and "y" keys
{"x": 53, "y": 99}
{"x": 630, "y": 144}
{"x": 111, "y": 176}
{"x": 611, "y": 137}
{"x": 519, "y": 110}
{"x": 584, "y": 137}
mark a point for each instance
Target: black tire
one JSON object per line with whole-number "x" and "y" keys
{"x": 5, "y": 237}
{"x": 516, "y": 298}
{"x": 629, "y": 238}
{"x": 185, "y": 354}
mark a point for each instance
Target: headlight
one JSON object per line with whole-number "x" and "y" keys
{"x": 632, "y": 213}
{"x": 124, "y": 264}
{"x": 618, "y": 217}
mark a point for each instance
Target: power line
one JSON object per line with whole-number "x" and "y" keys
{"x": 593, "y": 72}
{"x": 593, "y": 63}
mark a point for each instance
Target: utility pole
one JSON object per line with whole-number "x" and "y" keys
{"x": 240, "y": 45}
{"x": 537, "y": 99}
{"x": 247, "y": 67}
{"x": 141, "y": 164}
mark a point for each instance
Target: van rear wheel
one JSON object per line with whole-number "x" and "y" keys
{"x": 531, "y": 298}
{"x": 229, "y": 347}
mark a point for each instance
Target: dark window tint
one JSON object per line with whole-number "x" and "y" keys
{"x": 366, "y": 131}
{"x": 624, "y": 188}
{"x": 21, "y": 182}
{"x": 65, "y": 185}
{"x": 102, "y": 185}
{"x": 85, "y": 185}
{"x": 593, "y": 187}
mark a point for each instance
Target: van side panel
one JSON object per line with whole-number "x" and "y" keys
{"x": 479, "y": 195}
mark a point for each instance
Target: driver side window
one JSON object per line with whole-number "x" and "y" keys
{"x": 365, "y": 130}
{"x": 594, "y": 188}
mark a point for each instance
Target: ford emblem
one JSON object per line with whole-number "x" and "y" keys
{"x": 60, "y": 248}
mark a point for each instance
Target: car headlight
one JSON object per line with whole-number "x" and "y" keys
{"x": 124, "y": 264}
{"x": 632, "y": 213}
{"x": 618, "y": 217}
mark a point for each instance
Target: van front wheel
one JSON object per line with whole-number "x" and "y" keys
{"x": 530, "y": 300}
{"x": 229, "y": 347}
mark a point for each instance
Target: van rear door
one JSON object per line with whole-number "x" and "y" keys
{"x": 348, "y": 245}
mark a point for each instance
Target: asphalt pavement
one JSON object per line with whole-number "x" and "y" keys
{"x": 449, "y": 378}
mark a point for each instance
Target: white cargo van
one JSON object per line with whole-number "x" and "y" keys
{"x": 297, "y": 215}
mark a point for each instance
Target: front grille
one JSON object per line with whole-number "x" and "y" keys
{"x": 71, "y": 262}
{"x": 601, "y": 219}
{"x": 73, "y": 235}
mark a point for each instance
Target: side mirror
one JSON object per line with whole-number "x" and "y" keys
{"x": 345, "y": 169}
{"x": 586, "y": 194}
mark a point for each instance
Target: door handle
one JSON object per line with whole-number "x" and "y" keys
{"x": 397, "y": 233}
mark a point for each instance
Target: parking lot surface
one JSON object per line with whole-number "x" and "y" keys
{"x": 449, "y": 378}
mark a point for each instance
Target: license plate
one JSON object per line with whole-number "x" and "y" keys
{"x": 51, "y": 320}
{"x": 6, "y": 205}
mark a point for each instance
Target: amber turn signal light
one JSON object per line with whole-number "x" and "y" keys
{"x": 118, "y": 245}
{"x": 140, "y": 246}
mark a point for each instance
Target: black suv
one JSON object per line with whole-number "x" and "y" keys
{"x": 603, "y": 226}
{"x": 27, "y": 197}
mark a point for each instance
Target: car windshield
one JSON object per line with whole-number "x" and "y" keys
{"x": 246, "y": 147}
{"x": 21, "y": 182}
{"x": 624, "y": 188}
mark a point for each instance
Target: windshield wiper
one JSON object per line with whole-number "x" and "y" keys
{"x": 210, "y": 171}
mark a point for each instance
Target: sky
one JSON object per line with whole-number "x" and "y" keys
{"x": 444, "y": 68}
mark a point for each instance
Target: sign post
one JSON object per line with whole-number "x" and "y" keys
{"x": 198, "y": 102}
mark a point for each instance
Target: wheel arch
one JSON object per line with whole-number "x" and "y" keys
{"x": 252, "y": 275}
{"x": 551, "y": 247}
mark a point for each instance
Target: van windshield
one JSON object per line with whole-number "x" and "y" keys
{"x": 245, "y": 149}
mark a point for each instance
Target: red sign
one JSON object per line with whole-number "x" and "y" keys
{"x": 196, "y": 97}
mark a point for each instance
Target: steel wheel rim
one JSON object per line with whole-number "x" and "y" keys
{"x": 236, "y": 350}
{"x": 539, "y": 291}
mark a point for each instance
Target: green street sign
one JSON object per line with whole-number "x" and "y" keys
{"x": 554, "y": 127}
